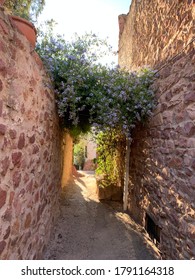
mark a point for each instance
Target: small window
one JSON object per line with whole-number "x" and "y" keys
{"x": 152, "y": 229}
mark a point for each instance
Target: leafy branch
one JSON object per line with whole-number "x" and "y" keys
{"x": 91, "y": 94}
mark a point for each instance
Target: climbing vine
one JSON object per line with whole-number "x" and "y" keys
{"x": 111, "y": 154}
{"x": 91, "y": 94}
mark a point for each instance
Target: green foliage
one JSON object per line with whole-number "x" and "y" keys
{"x": 76, "y": 131}
{"x": 79, "y": 157}
{"x": 111, "y": 154}
{"x": 90, "y": 94}
{"x": 28, "y": 9}
{"x": 75, "y": 74}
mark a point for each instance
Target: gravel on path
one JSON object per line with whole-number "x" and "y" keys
{"x": 88, "y": 229}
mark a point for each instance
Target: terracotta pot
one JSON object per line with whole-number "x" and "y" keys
{"x": 26, "y": 28}
{"x": 2, "y": 2}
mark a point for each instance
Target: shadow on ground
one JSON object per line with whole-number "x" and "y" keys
{"x": 90, "y": 229}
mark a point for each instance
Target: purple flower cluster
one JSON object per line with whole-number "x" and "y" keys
{"x": 91, "y": 94}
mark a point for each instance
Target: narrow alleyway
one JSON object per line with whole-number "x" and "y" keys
{"x": 89, "y": 229}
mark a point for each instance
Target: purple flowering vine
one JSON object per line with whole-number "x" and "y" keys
{"x": 91, "y": 94}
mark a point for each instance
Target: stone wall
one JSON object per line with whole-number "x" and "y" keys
{"x": 30, "y": 149}
{"x": 162, "y": 166}
{"x": 154, "y": 31}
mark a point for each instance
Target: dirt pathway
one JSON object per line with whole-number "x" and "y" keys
{"x": 88, "y": 229}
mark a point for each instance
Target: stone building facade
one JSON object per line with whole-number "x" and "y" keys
{"x": 30, "y": 149}
{"x": 160, "y": 34}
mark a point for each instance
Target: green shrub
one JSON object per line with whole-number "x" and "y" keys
{"x": 28, "y": 9}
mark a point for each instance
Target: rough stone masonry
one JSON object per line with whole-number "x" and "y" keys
{"x": 30, "y": 149}
{"x": 160, "y": 34}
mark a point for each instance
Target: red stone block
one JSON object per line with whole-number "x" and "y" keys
{"x": 22, "y": 108}
{"x": 5, "y": 165}
{"x": 15, "y": 230}
{"x": 18, "y": 42}
{"x": 3, "y": 67}
{"x": 17, "y": 206}
{"x": 175, "y": 162}
{"x": 12, "y": 133}
{"x": 16, "y": 158}
{"x": 27, "y": 221}
{"x": 21, "y": 141}
{"x": 24, "y": 163}
{"x": 6, "y": 143}
{"x": 192, "y": 181}
{"x": 181, "y": 142}
{"x": 191, "y": 143}
{"x": 51, "y": 185}
{"x": 1, "y": 85}
{"x": 190, "y": 97}
{"x": 26, "y": 178}
{"x": 2, "y": 46}
{"x": 121, "y": 21}
{"x": 179, "y": 117}
{"x": 170, "y": 144}
{"x": 189, "y": 129}
{"x": 26, "y": 236}
{"x": 29, "y": 186}
{"x": 32, "y": 139}
{"x": 37, "y": 59}
{"x": 22, "y": 193}
{"x": 7, "y": 233}
{"x": 40, "y": 210}
{"x": 35, "y": 149}
{"x": 49, "y": 95}
{"x": 193, "y": 164}
{"x": 191, "y": 114}
{"x": 2, "y": 246}
{"x": 36, "y": 197}
{"x": 3, "y": 195}
{"x": 191, "y": 152}
{"x": 43, "y": 179}
{"x": 4, "y": 27}
{"x": 16, "y": 179}
{"x": 46, "y": 116}
{"x": 33, "y": 82}
{"x": 1, "y": 107}
{"x": 45, "y": 154}
{"x": 7, "y": 216}
{"x": 42, "y": 141}
{"x": 11, "y": 198}
{"x": 2, "y": 129}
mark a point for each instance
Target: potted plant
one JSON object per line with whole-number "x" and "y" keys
{"x": 24, "y": 15}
